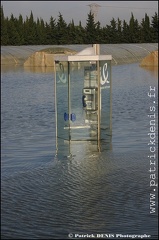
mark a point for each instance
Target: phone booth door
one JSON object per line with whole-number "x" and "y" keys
{"x": 83, "y": 101}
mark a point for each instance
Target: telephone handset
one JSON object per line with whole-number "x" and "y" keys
{"x": 84, "y": 101}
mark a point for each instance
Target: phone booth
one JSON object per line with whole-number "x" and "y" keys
{"x": 83, "y": 104}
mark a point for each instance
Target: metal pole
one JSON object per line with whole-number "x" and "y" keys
{"x": 55, "y": 96}
{"x": 69, "y": 108}
{"x": 99, "y": 102}
{"x": 96, "y": 49}
{"x": 110, "y": 99}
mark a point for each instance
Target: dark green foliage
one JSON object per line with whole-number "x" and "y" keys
{"x": 41, "y": 36}
{"x": 80, "y": 34}
{"x": 62, "y": 31}
{"x": 119, "y": 31}
{"x": 71, "y": 33}
{"x": 30, "y": 31}
{"x": 133, "y": 30}
{"x": 13, "y": 35}
{"x": 112, "y": 33}
{"x": 146, "y": 31}
{"x": 20, "y": 29}
{"x": 90, "y": 30}
{"x": 98, "y": 37}
{"x": 51, "y": 32}
{"x": 155, "y": 28}
{"x": 125, "y": 32}
{"x": 17, "y": 31}
{"x": 4, "y": 27}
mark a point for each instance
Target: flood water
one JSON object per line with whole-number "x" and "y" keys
{"x": 44, "y": 197}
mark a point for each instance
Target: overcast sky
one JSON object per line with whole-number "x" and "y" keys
{"x": 78, "y": 10}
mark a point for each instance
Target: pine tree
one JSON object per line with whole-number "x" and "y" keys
{"x": 104, "y": 35}
{"x": 39, "y": 32}
{"x": 48, "y": 34}
{"x": 125, "y": 32}
{"x": 19, "y": 32}
{"x": 154, "y": 25}
{"x": 119, "y": 31}
{"x": 13, "y": 35}
{"x": 90, "y": 29}
{"x": 53, "y": 31}
{"x": 42, "y": 32}
{"x": 80, "y": 34}
{"x": 4, "y": 26}
{"x": 20, "y": 29}
{"x": 30, "y": 30}
{"x": 62, "y": 33}
{"x": 113, "y": 31}
{"x": 134, "y": 30}
{"x": 98, "y": 36}
{"x": 145, "y": 30}
{"x": 72, "y": 33}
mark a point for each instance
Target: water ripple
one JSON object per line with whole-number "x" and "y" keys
{"x": 44, "y": 197}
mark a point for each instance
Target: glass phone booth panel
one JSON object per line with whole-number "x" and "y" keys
{"x": 106, "y": 101}
{"x": 83, "y": 98}
{"x": 61, "y": 105}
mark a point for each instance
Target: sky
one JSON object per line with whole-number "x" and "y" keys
{"x": 78, "y": 10}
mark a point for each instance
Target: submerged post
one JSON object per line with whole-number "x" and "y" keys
{"x": 96, "y": 49}
{"x": 97, "y": 52}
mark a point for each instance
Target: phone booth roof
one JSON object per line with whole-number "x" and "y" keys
{"x": 88, "y": 54}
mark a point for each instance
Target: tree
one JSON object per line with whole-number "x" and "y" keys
{"x": 125, "y": 32}
{"x": 154, "y": 25}
{"x": 119, "y": 31}
{"x": 104, "y": 35}
{"x": 13, "y": 35}
{"x": 16, "y": 31}
{"x": 145, "y": 30}
{"x": 72, "y": 33}
{"x": 40, "y": 32}
{"x": 2, "y": 14}
{"x": 98, "y": 35}
{"x": 80, "y": 34}
{"x": 30, "y": 30}
{"x": 4, "y": 26}
{"x": 62, "y": 33}
{"x": 90, "y": 29}
{"x": 133, "y": 30}
{"x": 53, "y": 29}
{"x": 20, "y": 29}
{"x": 51, "y": 32}
{"x": 111, "y": 32}
{"x": 48, "y": 34}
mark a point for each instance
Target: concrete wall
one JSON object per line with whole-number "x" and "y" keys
{"x": 40, "y": 59}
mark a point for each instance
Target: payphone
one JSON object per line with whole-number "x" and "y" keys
{"x": 90, "y": 94}
{"x": 90, "y": 106}
{"x": 89, "y": 99}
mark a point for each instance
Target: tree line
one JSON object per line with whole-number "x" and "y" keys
{"x": 19, "y": 31}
